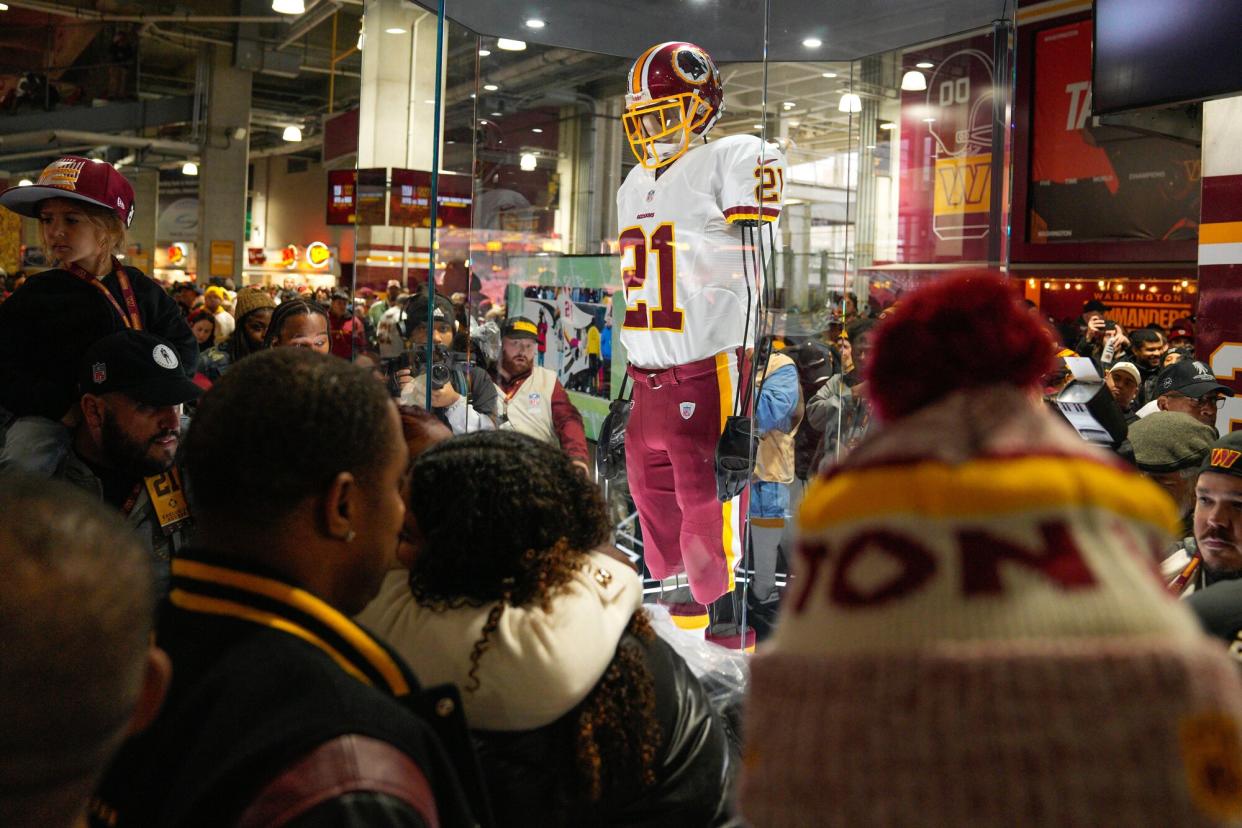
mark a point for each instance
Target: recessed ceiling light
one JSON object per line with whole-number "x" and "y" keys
{"x": 4, "y": 6}
{"x": 888, "y": 125}
{"x": 528, "y": 161}
{"x": 490, "y": 87}
{"x": 482, "y": 120}
{"x": 795, "y": 123}
{"x": 284, "y": 6}
{"x": 870, "y": 146}
{"x": 394, "y": 30}
{"x": 537, "y": 129}
{"x": 789, "y": 104}
{"x": 484, "y": 52}
{"x": 497, "y": 114}
{"x": 535, "y": 23}
{"x": 929, "y": 120}
{"x": 429, "y": 101}
{"x": 827, "y": 74}
{"x": 189, "y": 168}
{"x": 812, "y": 43}
{"x": 508, "y": 45}
{"x": 924, "y": 64}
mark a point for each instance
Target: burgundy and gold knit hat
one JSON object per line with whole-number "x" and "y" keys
{"x": 976, "y": 635}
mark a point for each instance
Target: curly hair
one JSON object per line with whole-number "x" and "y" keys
{"x": 507, "y": 520}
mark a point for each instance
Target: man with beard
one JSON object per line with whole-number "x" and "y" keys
{"x": 1215, "y": 552}
{"x": 124, "y": 445}
{"x": 535, "y": 402}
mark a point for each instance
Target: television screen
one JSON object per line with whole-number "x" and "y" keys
{"x": 1159, "y": 52}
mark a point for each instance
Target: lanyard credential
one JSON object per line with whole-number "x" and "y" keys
{"x": 132, "y": 319}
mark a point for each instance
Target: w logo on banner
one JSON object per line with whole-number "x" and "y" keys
{"x": 1224, "y": 458}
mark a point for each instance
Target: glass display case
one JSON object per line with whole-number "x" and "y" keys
{"x": 740, "y": 204}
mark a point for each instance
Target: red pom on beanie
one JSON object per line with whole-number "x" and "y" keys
{"x": 966, "y": 331}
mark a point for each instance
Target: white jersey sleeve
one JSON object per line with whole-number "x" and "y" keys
{"x": 752, "y": 176}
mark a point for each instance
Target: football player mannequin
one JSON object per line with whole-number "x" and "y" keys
{"x": 692, "y": 293}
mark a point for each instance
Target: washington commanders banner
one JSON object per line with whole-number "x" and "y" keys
{"x": 946, "y": 155}
{"x": 1095, "y": 182}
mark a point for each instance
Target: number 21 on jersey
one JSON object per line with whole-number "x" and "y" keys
{"x": 665, "y": 316}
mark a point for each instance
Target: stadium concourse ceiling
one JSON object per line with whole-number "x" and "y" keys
{"x": 731, "y": 30}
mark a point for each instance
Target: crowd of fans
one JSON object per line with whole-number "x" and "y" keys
{"x": 280, "y": 563}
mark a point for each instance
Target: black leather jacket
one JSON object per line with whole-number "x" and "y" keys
{"x": 694, "y": 768}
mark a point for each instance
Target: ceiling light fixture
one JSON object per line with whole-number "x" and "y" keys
{"x": 758, "y": 126}
{"x": 288, "y": 6}
{"x": 292, "y": 134}
{"x": 510, "y": 45}
{"x": 484, "y": 52}
{"x": 535, "y": 23}
{"x": 189, "y": 168}
{"x": 888, "y": 125}
{"x": 4, "y": 6}
{"x": 924, "y": 64}
{"x": 537, "y": 130}
{"x": 827, "y": 74}
{"x": 929, "y": 120}
{"x": 394, "y": 30}
{"x": 528, "y": 161}
{"x": 25, "y": 182}
{"x": 913, "y": 81}
{"x": 850, "y": 103}
{"x": 490, "y": 87}
{"x": 789, "y": 104}
{"x": 497, "y": 114}
{"x": 812, "y": 42}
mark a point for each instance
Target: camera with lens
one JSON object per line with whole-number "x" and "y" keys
{"x": 441, "y": 367}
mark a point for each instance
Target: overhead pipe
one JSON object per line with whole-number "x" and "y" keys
{"x": 91, "y": 14}
{"x": 308, "y": 20}
{"x": 51, "y": 136}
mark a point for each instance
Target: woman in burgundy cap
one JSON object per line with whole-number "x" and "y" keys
{"x": 83, "y": 207}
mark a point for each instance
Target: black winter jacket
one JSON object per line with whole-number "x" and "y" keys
{"x": 48, "y": 323}
{"x": 694, "y": 769}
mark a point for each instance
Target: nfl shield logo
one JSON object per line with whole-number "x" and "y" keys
{"x": 99, "y": 373}
{"x": 687, "y": 410}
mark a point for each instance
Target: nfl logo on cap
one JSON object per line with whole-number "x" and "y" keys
{"x": 99, "y": 373}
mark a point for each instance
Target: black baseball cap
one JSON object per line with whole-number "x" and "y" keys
{"x": 138, "y": 364}
{"x": 416, "y": 310}
{"x": 519, "y": 327}
{"x": 1225, "y": 455}
{"x": 1095, "y": 305}
{"x": 1190, "y": 378}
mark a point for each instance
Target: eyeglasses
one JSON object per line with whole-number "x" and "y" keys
{"x": 1216, "y": 401}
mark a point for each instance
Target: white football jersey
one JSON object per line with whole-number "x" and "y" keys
{"x": 682, "y": 255}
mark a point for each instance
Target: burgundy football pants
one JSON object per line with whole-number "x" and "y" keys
{"x": 670, "y": 460}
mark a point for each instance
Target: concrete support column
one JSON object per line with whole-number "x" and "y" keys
{"x": 395, "y": 126}
{"x": 146, "y": 184}
{"x": 1219, "y": 341}
{"x": 222, "y": 173}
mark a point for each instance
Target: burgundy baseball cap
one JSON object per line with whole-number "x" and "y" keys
{"x": 81, "y": 179}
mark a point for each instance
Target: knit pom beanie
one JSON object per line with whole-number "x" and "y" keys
{"x": 976, "y": 635}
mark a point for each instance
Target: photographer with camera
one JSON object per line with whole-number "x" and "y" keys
{"x": 462, "y": 394}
